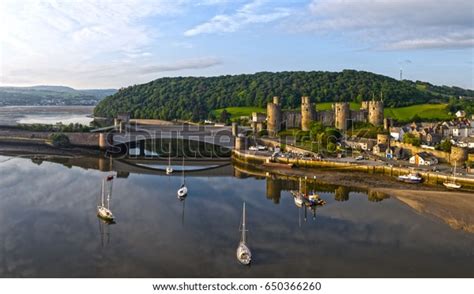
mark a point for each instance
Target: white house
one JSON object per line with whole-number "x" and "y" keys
{"x": 423, "y": 158}
{"x": 460, "y": 114}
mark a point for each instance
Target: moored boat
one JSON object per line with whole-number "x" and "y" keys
{"x": 412, "y": 178}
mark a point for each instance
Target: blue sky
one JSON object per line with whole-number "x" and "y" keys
{"x": 116, "y": 43}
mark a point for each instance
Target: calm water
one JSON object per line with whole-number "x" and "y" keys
{"x": 12, "y": 115}
{"x": 49, "y": 228}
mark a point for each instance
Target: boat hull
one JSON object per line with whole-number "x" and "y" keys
{"x": 105, "y": 214}
{"x": 452, "y": 185}
{"x": 244, "y": 256}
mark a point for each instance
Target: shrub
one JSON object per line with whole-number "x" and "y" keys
{"x": 59, "y": 140}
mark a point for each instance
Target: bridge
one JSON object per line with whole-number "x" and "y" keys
{"x": 221, "y": 136}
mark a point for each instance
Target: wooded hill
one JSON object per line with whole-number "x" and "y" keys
{"x": 194, "y": 98}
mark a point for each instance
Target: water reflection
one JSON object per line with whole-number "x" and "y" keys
{"x": 48, "y": 226}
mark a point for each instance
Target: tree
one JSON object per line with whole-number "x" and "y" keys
{"x": 224, "y": 117}
{"x": 409, "y": 138}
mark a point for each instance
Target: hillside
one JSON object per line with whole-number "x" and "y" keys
{"x": 195, "y": 97}
{"x": 51, "y": 95}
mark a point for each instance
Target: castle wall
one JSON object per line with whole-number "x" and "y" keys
{"x": 358, "y": 115}
{"x": 291, "y": 119}
{"x": 325, "y": 117}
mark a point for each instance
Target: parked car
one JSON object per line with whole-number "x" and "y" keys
{"x": 261, "y": 147}
{"x": 253, "y": 148}
{"x": 360, "y": 157}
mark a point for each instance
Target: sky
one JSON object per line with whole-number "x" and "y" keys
{"x": 117, "y": 43}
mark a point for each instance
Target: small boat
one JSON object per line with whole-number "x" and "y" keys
{"x": 277, "y": 164}
{"x": 169, "y": 169}
{"x": 103, "y": 210}
{"x": 244, "y": 256}
{"x": 412, "y": 178}
{"x": 183, "y": 190}
{"x": 452, "y": 184}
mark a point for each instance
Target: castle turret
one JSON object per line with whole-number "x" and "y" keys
{"x": 308, "y": 113}
{"x": 341, "y": 113}
{"x": 274, "y": 117}
{"x": 376, "y": 112}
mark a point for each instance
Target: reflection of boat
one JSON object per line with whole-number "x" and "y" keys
{"x": 244, "y": 256}
{"x": 303, "y": 199}
{"x": 169, "y": 169}
{"x": 103, "y": 210}
{"x": 452, "y": 184}
{"x": 183, "y": 190}
{"x": 413, "y": 178}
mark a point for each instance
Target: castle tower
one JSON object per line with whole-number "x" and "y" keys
{"x": 341, "y": 114}
{"x": 274, "y": 117}
{"x": 376, "y": 112}
{"x": 308, "y": 113}
{"x": 364, "y": 105}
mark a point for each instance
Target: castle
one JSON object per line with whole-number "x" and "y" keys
{"x": 341, "y": 116}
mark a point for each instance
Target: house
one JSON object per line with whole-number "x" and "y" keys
{"x": 380, "y": 150}
{"x": 466, "y": 142}
{"x": 361, "y": 143}
{"x": 433, "y": 139}
{"x": 460, "y": 114}
{"x": 258, "y": 117}
{"x": 461, "y": 131}
{"x": 423, "y": 158}
{"x": 397, "y": 133}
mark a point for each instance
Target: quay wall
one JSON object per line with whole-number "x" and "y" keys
{"x": 429, "y": 177}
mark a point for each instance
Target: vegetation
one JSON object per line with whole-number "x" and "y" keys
{"x": 409, "y": 138}
{"x": 365, "y": 130}
{"x": 51, "y": 95}
{"x": 59, "y": 140}
{"x": 328, "y": 106}
{"x": 445, "y": 146}
{"x": 70, "y": 128}
{"x": 193, "y": 98}
{"x": 237, "y": 112}
{"x": 456, "y": 104}
{"x": 421, "y": 112}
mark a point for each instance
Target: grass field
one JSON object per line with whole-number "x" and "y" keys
{"x": 236, "y": 112}
{"x": 424, "y": 111}
{"x": 403, "y": 114}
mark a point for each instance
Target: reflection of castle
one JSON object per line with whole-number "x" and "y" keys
{"x": 341, "y": 116}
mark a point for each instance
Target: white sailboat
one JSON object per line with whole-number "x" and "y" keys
{"x": 103, "y": 209}
{"x": 183, "y": 190}
{"x": 169, "y": 169}
{"x": 244, "y": 256}
{"x": 452, "y": 184}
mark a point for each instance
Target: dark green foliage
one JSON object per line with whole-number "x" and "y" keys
{"x": 465, "y": 104}
{"x": 70, "y": 128}
{"x": 59, "y": 140}
{"x": 445, "y": 145}
{"x": 193, "y": 98}
{"x": 411, "y": 139}
{"x": 224, "y": 117}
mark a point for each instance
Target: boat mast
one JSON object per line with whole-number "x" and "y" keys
{"x": 243, "y": 224}
{"x": 169, "y": 155}
{"x": 109, "y": 195}
{"x": 184, "y": 179}
{"x": 103, "y": 192}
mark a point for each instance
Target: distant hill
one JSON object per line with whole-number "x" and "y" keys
{"x": 195, "y": 97}
{"x": 51, "y": 95}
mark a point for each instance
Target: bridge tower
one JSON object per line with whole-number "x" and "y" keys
{"x": 274, "y": 117}
{"x": 308, "y": 113}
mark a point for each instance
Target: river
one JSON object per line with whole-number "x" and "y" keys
{"x": 49, "y": 227}
{"x": 13, "y": 115}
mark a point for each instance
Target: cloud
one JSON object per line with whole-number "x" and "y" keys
{"x": 388, "y": 24}
{"x": 180, "y": 65}
{"x": 52, "y": 38}
{"x": 247, "y": 14}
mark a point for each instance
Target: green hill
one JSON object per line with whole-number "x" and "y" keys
{"x": 194, "y": 98}
{"x": 51, "y": 95}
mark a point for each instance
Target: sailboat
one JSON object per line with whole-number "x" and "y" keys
{"x": 452, "y": 184}
{"x": 169, "y": 169}
{"x": 243, "y": 252}
{"x": 103, "y": 210}
{"x": 183, "y": 190}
